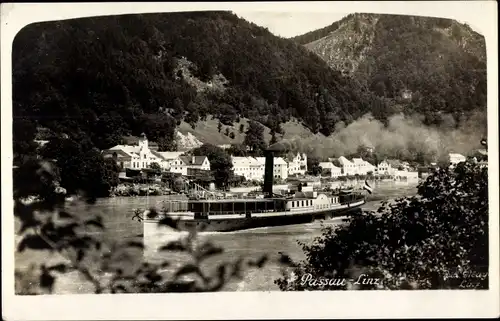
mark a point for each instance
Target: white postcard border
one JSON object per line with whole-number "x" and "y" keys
{"x": 480, "y": 15}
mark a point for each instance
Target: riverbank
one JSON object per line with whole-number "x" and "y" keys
{"x": 131, "y": 189}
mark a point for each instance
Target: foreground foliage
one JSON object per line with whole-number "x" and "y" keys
{"x": 47, "y": 224}
{"x": 435, "y": 240}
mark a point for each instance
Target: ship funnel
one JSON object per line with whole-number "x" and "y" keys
{"x": 278, "y": 148}
{"x": 269, "y": 174}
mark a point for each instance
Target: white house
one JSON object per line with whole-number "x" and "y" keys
{"x": 178, "y": 166}
{"x": 248, "y": 167}
{"x": 384, "y": 168}
{"x": 182, "y": 164}
{"x": 171, "y": 160}
{"x": 456, "y": 158}
{"x": 334, "y": 170}
{"x": 370, "y": 168}
{"x": 348, "y": 168}
{"x": 298, "y": 165}
{"x": 196, "y": 162}
{"x": 280, "y": 168}
{"x": 138, "y": 156}
{"x": 360, "y": 166}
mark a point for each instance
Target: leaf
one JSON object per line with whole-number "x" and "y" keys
{"x": 61, "y": 268}
{"x": 65, "y": 215}
{"x": 47, "y": 281}
{"x": 67, "y": 230}
{"x": 135, "y": 244}
{"x": 237, "y": 269}
{"x": 184, "y": 286}
{"x": 188, "y": 269}
{"x": 95, "y": 223}
{"x": 169, "y": 221}
{"x": 260, "y": 262}
{"x": 153, "y": 277}
{"x": 34, "y": 242}
{"x": 83, "y": 242}
{"x": 208, "y": 250}
{"x": 173, "y": 246}
{"x": 221, "y": 271}
{"x": 80, "y": 255}
{"x": 119, "y": 288}
{"x": 285, "y": 260}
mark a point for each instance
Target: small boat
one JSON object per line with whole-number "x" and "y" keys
{"x": 346, "y": 190}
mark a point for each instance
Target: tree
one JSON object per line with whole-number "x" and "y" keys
{"x": 23, "y": 135}
{"x": 231, "y": 135}
{"x": 273, "y": 139}
{"x": 159, "y": 128}
{"x": 435, "y": 240}
{"x": 220, "y": 163}
{"x": 313, "y": 166}
{"x": 219, "y": 126}
{"x": 237, "y": 150}
{"x": 254, "y": 137}
{"x": 242, "y": 128}
{"x": 155, "y": 166}
{"x": 81, "y": 168}
{"x": 227, "y": 131}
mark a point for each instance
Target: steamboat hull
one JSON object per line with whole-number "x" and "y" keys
{"x": 235, "y": 223}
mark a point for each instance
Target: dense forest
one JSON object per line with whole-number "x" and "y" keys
{"x": 105, "y": 77}
{"x": 430, "y": 66}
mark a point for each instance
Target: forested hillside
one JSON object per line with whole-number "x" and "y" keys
{"x": 430, "y": 66}
{"x": 105, "y": 77}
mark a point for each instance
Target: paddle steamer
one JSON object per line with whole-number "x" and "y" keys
{"x": 232, "y": 214}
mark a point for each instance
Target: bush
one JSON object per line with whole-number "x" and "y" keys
{"x": 437, "y": 239}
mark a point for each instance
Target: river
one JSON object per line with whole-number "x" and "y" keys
{"x": 117, "y": 214}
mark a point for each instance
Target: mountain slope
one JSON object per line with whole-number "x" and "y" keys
{"x": 417, "y": 64}
{"x": 207, "y": 131}
{"x": 101, "y": 78}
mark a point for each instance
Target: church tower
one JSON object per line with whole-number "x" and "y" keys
{"x": 143, "y": 142}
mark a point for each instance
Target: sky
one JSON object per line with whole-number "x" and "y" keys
{"x": 291, "y": 24}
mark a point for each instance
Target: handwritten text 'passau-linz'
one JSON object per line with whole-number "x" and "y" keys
{"x": 363, "y": 279}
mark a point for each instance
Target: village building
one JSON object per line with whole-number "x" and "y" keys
{"x": 172, "y": 162}
{"x": 384, "y": 168}
{"x": 361, "y": 167}
{"x": 370, "y": 168}
{"x": 396, "y": 165}
{"x": 280, "y": 168}
{"x": 348, "y": 168}
{"x": 189, "y": 165}
{"x": 248, "y": 167}
{"x": 195, "y": 163}
{"x": 329, "y": 167}
{"x": 298, "y": 165}
{"x": 138, "y": 156}
{"x": 141, "y": 156}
